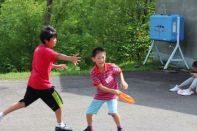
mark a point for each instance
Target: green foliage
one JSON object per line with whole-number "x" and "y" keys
{"x": 20, "y": 22}
{"x": 121, "y": 26}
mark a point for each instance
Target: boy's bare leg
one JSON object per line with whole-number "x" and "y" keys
{"x": 60, "y": 124}
{"x": 13, "y": 107}
{"x": 89, "y": 119}
{"x": 58, "y": 114}
{"x": 116, "y": 118}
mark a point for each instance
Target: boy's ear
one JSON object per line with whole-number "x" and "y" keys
{"x": 93, "y": 59}
{"x": 46, "y": 41}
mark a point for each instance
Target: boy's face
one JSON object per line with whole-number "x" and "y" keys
{"x": 99, "y": 59}
{"x": 51, "y": 43}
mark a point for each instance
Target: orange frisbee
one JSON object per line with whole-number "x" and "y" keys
{"x": 126, "y": 98}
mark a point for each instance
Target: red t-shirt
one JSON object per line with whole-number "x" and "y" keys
{"x": 107, "y": 79}
{"x": 41, "y": 67}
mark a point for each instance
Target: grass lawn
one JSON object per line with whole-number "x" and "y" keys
{"x": 127, "y": 66}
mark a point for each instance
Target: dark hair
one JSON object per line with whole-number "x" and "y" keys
{"x": 47, "y": 33}
{"x": 97, "y": 50}
{"x": 194, "y": 64}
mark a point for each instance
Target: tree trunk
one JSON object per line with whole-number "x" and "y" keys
{"x": 47, "y": 17}
{"x": 145, "y": 10}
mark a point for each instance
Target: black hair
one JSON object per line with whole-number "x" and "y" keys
{"x": 194, "y": 64}
{"x": 97, "y": 50}
{"x": 47, "y": 33}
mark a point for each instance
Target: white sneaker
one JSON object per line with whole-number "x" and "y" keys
{"x": 180, "y": 91}
{"x": 176, "y": 88}
{"x": 185, "y": 92}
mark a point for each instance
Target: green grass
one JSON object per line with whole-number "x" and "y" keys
{"x": 138, "y": 66}
{"x": 14, "y": 76}
{"x": 72, "y": 70}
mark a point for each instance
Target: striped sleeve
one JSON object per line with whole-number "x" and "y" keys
{"x": 116, "y": 70}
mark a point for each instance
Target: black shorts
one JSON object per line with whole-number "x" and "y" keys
{"x": 49, "y": 96}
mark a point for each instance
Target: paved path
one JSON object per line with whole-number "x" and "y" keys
{"x": 156, "y": 109}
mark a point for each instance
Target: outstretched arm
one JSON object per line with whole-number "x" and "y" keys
{"x": 74, "y": 59}
{"x": 60, "y": 66}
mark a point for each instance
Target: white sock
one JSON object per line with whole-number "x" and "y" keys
{"x": 60, "y": 125}
{"x": 1, "y": 115}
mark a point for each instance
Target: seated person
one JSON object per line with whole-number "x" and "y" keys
{"x": 191, "y": 82}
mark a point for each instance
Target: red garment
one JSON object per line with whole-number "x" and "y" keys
{"x": 107, "y": 79}
{"x": 41, "y": 67}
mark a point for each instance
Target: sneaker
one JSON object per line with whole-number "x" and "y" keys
{"x": 176, "y": 88}
{"x": 120, "y": 129}
{"x": 65, "y": 128}
{"x": 185, "y": 92}
{"x": 88, "y": 129}
{"x": 181, "y": 91}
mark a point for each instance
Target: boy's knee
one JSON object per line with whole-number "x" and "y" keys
{"x": 89, "y": 115}
{"x": 113, "y": 114}
{"x": 22, "y": 104}
{"x": 57, "y": 109}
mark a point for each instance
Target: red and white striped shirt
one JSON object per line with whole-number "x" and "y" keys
{"x": 107, "y": 79}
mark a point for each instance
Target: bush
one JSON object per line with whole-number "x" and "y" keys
{"x": 20, "y": 22}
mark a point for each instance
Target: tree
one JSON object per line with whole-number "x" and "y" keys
{"x": 121, "y": 26}
{"x": 1, "y": 2}
{"x": 20, "y": 22}
{"x": 48, "y": 12}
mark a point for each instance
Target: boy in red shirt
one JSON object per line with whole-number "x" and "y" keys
{"x": 39, "y": 85}
{"x": 103, "y": 76}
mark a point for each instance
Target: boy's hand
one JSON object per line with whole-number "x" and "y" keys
{"x": 124, "y": 85}
{"x": 62, "y": 66}
{"x": 116, "y": 92}
{"x": 75, "y": 59}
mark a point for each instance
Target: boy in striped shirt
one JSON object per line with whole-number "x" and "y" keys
{"x": 103, "y": 77}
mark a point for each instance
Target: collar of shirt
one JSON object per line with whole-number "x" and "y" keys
{"x": 106, "y": 68}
